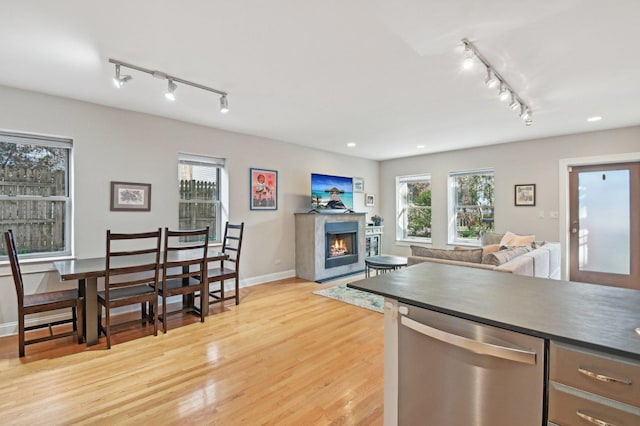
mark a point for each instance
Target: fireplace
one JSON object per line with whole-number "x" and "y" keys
{"x": 329, "y": 245}
{"x": 341, "y": 243}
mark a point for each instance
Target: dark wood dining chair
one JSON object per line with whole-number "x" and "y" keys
{"x": 228, "y": 269}
{"x": 41, "y": 302}
{"x": 184, "y": 265}
{"x": 132, "y": 274}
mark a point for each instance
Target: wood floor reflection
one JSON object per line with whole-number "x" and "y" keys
{"x": 283, "y": 356}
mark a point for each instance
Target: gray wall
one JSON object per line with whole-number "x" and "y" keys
{"x": 535, "y": 161}
{"x": 112, "y": 144}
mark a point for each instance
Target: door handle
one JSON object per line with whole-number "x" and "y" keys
{"x": 482, "y": 348}
{"x": 574, "y": 226}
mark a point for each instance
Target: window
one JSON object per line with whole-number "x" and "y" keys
{"x": 413, "y": 208}
{"x": 471, "y": 204}
{"x": 34, "y": 194}
{"x": 199, "y": 183}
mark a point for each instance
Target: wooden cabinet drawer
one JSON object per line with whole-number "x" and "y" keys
{"x": 604, "y": 375}
{"x": 569, "y": 407}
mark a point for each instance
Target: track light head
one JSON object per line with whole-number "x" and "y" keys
{"x": 514, "y": 104}
{"x": 171, "y": 91}
{"x": 119, "y": 80}
{"x": 224, "y": 105}
{"x": 492, "y": 80}
{"x": 469, "y": 57}
{"x": 504, "y": 92}
{"x": 525, "y": 114}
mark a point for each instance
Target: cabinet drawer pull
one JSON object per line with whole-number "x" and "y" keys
{"x": 603, "y": 378}
{"x": 592, "y": 419}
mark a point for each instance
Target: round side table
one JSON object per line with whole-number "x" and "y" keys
{"x": 383, "y": 264}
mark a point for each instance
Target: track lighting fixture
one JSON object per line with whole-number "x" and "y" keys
{"x": 224, "y": 105}
{"x": 171, "y": 91}
{"x": 171, "y": 85}
{"x": 120, "y": 80}
{"x": 494, "y": 79}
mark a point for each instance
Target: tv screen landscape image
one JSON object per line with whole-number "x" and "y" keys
{"x": 331, "y": 193}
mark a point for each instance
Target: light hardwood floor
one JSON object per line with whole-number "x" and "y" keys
{"x": 283, "y": 356}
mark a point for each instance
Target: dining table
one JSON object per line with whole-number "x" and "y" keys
{"x": 87, "y": 271}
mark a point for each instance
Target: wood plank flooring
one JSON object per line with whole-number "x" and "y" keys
{"x": 283, "y": 356}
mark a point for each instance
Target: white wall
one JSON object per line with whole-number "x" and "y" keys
{"x": 112, "y": 144}
{"x": 534, "y": 161}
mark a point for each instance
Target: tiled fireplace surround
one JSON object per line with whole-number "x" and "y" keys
{"x": 311, "y": 248}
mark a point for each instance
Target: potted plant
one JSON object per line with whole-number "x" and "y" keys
{"x": 377, "y": 220}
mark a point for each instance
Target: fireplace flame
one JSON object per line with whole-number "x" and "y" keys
{"x": 338, "y": 248}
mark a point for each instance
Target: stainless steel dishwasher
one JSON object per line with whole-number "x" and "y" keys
{"x": 456, "y": 372}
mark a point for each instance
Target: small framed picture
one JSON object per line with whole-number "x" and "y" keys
{"x": 369, "y": 200}
{"x": 525, "y": 195}
{"x": 130, "y": 197}
{"x": 358, "y": 184}
{"x": 264, "y": 189}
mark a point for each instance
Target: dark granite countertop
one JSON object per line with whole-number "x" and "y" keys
{"x": 592, "y": 316}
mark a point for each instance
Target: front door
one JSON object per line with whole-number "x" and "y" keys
{"x": 604, "y": 231}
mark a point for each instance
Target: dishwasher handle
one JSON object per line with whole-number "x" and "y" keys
{"x": 512, "y": 354}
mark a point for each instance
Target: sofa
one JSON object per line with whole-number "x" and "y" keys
{"x": 508, "y": 252}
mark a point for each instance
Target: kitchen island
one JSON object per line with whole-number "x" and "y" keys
{"x": 571, "y": 319}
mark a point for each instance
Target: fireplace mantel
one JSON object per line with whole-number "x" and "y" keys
{"x": 310, "y": 245}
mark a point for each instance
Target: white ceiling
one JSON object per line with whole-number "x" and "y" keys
{"x": 383, "y": 74}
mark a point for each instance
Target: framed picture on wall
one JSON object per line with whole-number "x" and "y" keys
{"x": 358, "y": 184}
{"x": 525, "y": 195}
{"x": 130, "y": 197}
{"x": 369, "y": 200}
{"x": 263, "y": 189}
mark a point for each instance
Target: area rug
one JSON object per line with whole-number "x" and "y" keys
{"x": 352, "y": 296}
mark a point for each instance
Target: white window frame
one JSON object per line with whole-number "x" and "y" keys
{"x": 452, "y": 200}
{"x": 223, "y": 187}
{"x": 401, "y": 207}
{"x": 55, "y": 142}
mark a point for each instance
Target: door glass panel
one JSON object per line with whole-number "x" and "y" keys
{"x": 604, "y": 234}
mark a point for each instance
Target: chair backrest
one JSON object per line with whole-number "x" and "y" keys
{"x": 136, "y": 264}
{"x": 12, "y": 252}
{"x": 232, "y": 243}
{"x": 190, "y": 255}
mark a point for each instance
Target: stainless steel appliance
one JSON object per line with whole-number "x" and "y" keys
{"x": 456, "y": 372}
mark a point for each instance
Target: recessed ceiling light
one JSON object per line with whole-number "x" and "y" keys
{"x": 594, "y": 118}
{"x": 351, "y": 144}
{"x": 420, "y": 146}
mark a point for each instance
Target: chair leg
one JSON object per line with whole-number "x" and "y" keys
{"x": 21, "y": 333}
{"x": 237, "y": 282}
{"x": 154, "y": 306}
{"x": 164, "y": 314}
{"x": 74, "y": 319}
{"x": 107, "y": 321}
{"x": 143, "y": 311}
{"x": 203, "y": 302}
{"x": 79, "y": 318}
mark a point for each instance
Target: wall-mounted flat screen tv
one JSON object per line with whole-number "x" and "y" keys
{"x": 331, "y": 193}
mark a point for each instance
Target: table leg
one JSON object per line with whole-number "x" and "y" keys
{"x": 91, "y": 310}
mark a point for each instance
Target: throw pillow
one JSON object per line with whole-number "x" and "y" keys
{"x": 491, "y": 248}
{"x": 490, "y": 238}
{"x": 471, "y": 255}
{"x": 511, "y": 240}
{"x": 503, "y": 256}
